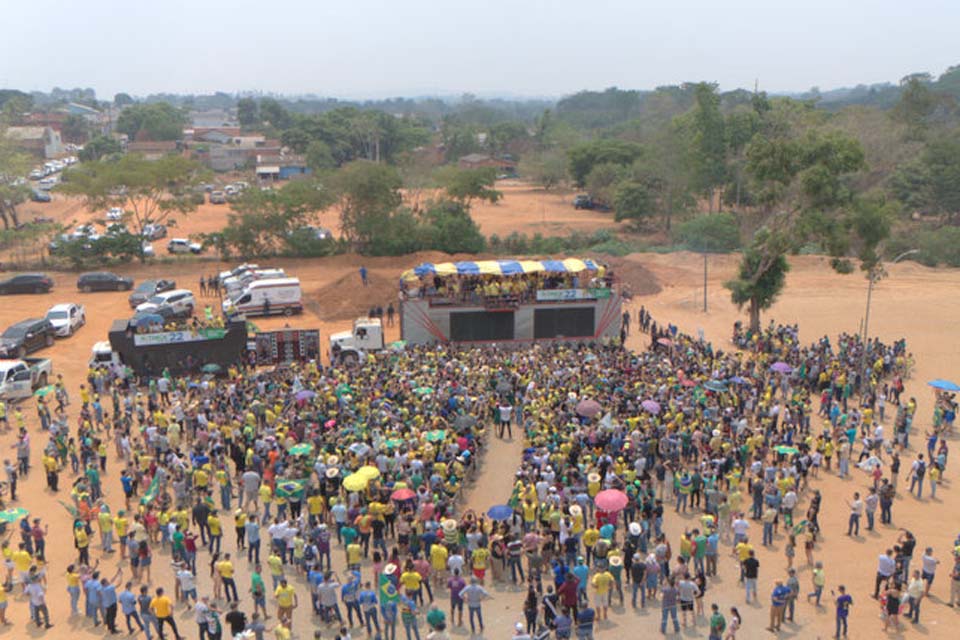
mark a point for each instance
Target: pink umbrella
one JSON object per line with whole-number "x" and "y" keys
{"x": 588, "y": 408}
{"x": 651, "y": 406}
{"x": 611, "y": 500}
{"x": 403, "y": 494}
{"x": 687, "y": 382}
{"x": 667, "y": 342}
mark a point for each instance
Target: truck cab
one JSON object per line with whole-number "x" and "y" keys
{"x": 18, "y": 378}
{"x": 366, "y": 336}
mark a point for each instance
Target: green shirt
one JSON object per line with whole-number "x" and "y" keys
{"x": 178, "y": 540}
{"x": 256, "y": 585}
{"x": 717, "y": 623}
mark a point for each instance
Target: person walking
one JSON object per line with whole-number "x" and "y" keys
{"x": 915, "y": 593}
{"x": 162, "y": 608}
{"x": 843, "y": 603}
{"x": 718, "y": 624}
{"x": 474, "y": 595}
{"x": 668, "y": 606}
{"x": 363, "y": 275}
{"x": 778, "y": 602}
{"x": 38, "y": 603}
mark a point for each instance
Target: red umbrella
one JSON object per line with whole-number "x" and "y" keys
{"x": 611, "y": 500}
{"x": 403, "y": 494}
{"x": 588, "y": 408}
{"x": 667, "y": 342}
{"x": 687, "y": 382}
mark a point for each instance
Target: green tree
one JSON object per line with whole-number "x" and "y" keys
{"x": 806, "y": 180}
{"x": 13, "y": 164}
{"x": 123, "y": 100}
{"x": 708, "y": 141}
{"x": 148, "y": 191}
{"x": 247, "y": 112}
{"x": 932, "y": 182}
{"x": 633, "y": 201}
{"x": 546, "y": 169}
{"x": 296, "y": 139}
{"x": 154, "y": 121}
{"x": 275, "y": 114}
{"x": 917, "y": 103}
{"x": 761, "y": 276}
{"x": 713, "y": 233}
{"x": 602, "y": 181}
{"x": 369, "y": 195}
{"x": 75, "y": 128}
{"x": 319, "y": 157}
{"x": 98, "y": 148}
{"x": 448, "y": 226}
{"x": 585, "y": 157}
{"x": 467, "y": 185}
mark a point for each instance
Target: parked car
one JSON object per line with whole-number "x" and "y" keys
{"x": 148, "y": 250}
{"x": 218, "y": 197}
{"x": 182, "y": 245}
{"x": 181, "y": 300}
{"x": 103, "y": 281}
{"x": 36, "y": 174}
{"x": 149, "y": 288}
{"x": 165, "y": 311}
{"x": 26, "y": 337}
{"x": 583, "y": 202}
{"x": 26, "y": 283}
{"x": 237, "y": 271}
{"x": 40, "y": 196}
{"x": 154, "y": 231}
{"x": 115, "y": 214}
{"x": 66, "y": 318}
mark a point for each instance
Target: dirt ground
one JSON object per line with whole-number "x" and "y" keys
{"x": 915, "y": 302}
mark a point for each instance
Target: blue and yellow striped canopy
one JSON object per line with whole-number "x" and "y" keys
{"x": 501, "y": 267}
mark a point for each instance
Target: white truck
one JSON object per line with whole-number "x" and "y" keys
{"x": 349, "y": 346}
{"x": 19, "y": 378}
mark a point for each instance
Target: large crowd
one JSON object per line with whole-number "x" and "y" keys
{"x": 340, "y": 489}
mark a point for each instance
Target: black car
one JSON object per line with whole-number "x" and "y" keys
{"x": 26, "y": 337}
{"x": 26, "y": 283}
{"x": 103, "y": 281}
{"x": 149, "y": 288}
{"x": 583, "y": 202}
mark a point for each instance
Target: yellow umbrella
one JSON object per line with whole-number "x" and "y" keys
{"x": 355, "y": 482}
{"x": 369, "y": 472}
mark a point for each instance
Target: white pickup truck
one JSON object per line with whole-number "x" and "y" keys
{"x": 19, "y": 378}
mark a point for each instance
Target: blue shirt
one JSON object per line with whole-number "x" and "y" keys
{"x": 582, "y": 571}
{"x": 780, "y": 595}
{"x": 128, "y": 601}
{"x": 108, "y": 595}
{"x": 367, "y": 599}
{"x": 253, "y": 530}
{"x": 93, "y": 591}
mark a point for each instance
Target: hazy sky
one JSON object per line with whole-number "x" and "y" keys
{"x": 379, "y": 48}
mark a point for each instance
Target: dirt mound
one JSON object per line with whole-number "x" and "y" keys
{"x": 346, "y": 298}
{"x": 637, "y": 278}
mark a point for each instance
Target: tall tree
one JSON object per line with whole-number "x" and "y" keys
{"x": 148, "y": 191}
{"x": 123, "y": 100}
{"x": 709, "y": 141}
{"x": 247, "y": 112}
{"x": 369, "y": 195}
{"x": 13, "y": 164}
{"x": 466, "y": 185}
{"x": 154, "y": 121}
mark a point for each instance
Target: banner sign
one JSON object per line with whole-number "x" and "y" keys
{"x": 177, "y": 337}
{"x": 561, "y": 295}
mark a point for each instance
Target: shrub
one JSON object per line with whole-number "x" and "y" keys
{"x": 713, "y": 233}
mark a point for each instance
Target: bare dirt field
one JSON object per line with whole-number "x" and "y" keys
{"x": 915, "y": 302}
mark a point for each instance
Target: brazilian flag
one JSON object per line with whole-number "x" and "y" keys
{"x": 388, "y": 591}
{"x": 290, "y": 489}
{"x": 152, "y": 490}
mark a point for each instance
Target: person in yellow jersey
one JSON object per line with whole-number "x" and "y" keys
{"x": 286, "y": 597}
{"x": 225, "y": 569}
{"x": 240, "y": 526}
{"x": 275, "y": 563}
{"x": 82, "y": 542}
{"x": 21, "y": 563}
{"x": 216, "y": 531}
{"x": 120, "y": 525}
{"x": 73, "y": 588}
{"x": 603, "y": 584}
{"x": 105, "y": 521}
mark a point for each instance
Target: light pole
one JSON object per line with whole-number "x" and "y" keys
{"x": 875, "y": 273}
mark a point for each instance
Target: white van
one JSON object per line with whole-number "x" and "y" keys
{"x": 235, "y": 285}
{"x": 270, "y": 296}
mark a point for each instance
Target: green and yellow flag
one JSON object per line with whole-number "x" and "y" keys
{"x": 388, "y": 592}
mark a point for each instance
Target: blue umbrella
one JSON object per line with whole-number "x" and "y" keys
{"x": 738, "y": 380}
{"x": 500, "y": 512}
{"x": 142, "y": 319}
{"x": 944, "y": 385}
{"x": 715, "y": 385}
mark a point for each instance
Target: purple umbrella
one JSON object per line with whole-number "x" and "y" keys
{"x": 781, "y": 367}
{"x": 306, "y": 394}
{"x": 651, "y": 406}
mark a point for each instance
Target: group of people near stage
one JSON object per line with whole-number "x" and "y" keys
{"x": 339, "y": 489}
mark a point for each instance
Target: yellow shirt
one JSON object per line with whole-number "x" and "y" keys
{"x": 602, "y": 582}
{"x": 22, "y": 560}
{"x": 354, "y": 553}
{"x": 162, "y": 606}
{"x": 438, "y": 557}
{"x": 743, "y": 550}
{"x": 82, "y": 541}
{"x": 265, "y": 493}
{"x": 275, "y": 564}
{"x": 480, "y": 558}
{"x": 411, "y": 580}
{"x": 73, "y": 579}
{"x": 120, "y": 524}
{"x": 284, "y": 595}
{"x": 214, "y": 523}
{"x": 225, "y": 568}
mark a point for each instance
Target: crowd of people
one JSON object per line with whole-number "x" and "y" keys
{"x": 342, "y": 487}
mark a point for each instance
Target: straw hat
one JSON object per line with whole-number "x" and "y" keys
{"x": 333, "y": 472}
{"x": 333, "y": 461}
{"x": 576, "y": 511}
{"x": 635, "y": 528}
{"x": 390, "y": 569}
{"x": 616, "y": 561}
{"x": 449, "y": 525}
{"x": 593, "y": 476}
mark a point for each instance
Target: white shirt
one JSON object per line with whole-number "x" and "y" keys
{"x": 455, "y": 562}
{"x": 929, "y": 564}
{"x": 740, "y": 526}
{"x": 36, "y": 593}
{"x": 187, "y": 581}
{"x": 886, "y": 566}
